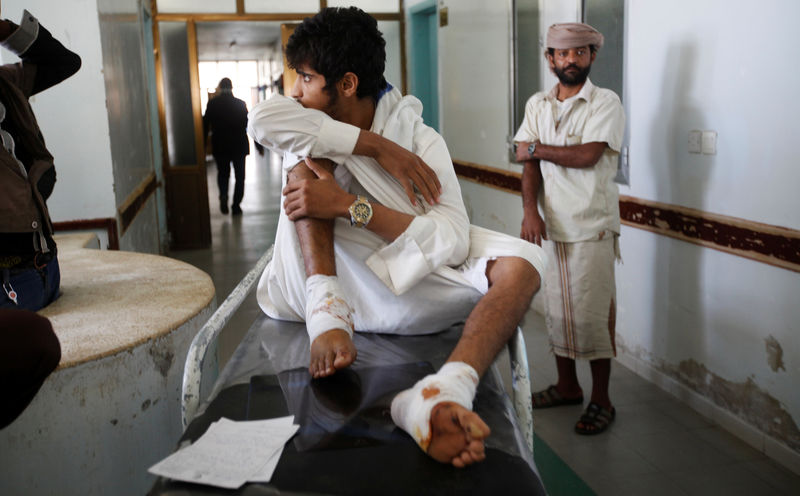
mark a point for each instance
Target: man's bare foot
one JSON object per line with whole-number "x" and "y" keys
{"x": 331, "y": 351}
{"x": 457, "y": 435}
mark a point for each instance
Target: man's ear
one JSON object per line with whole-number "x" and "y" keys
{"x": 348, "y": 85}
{"x": 550, "y": 61}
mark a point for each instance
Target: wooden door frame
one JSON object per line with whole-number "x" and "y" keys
{"x": 183, "y": 178}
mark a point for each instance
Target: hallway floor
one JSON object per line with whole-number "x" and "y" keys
{"x": 656, "y": 445}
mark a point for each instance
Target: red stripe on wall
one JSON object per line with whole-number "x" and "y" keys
{"x": 774, "y": 245}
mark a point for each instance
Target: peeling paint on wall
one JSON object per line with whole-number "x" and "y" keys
{"x": 774, "y": 354}
{"x": 745, "y": 400}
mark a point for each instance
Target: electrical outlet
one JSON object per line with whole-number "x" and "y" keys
{"x": 709, "y": 143}
{"x": 695, "y": 139}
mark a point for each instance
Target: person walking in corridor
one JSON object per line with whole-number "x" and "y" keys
{"x": 226, "y": 119}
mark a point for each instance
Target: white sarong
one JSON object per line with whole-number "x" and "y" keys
{"x": 580, "y": 298}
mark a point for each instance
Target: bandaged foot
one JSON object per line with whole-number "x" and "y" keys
{"x": 436, "y": 412}
{"x": 329, "y": 323}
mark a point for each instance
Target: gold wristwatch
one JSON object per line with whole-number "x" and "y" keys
{"x": 360, "y": 212}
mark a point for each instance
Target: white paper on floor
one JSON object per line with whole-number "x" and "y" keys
{"x": 230, "y": 453}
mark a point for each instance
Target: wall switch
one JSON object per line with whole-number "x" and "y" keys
{"x": 709, "y": 143}
{"x": 695, "y": 138}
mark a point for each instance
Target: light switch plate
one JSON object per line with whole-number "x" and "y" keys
{"x": 709, "y": 143}
{"x": 695, "y": 139}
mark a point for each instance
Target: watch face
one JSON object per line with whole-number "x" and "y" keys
{"x": 361, "y": 211}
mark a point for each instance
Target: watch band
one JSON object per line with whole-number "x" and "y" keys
{"x": 531, "y": 149}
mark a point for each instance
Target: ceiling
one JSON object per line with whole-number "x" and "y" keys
{"x": 236, "y": 40}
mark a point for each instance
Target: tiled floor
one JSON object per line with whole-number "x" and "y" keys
{"x": 656, "y": 446}
{"x": 238, "y": 242}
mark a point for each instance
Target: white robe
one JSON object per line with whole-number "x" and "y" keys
{"x": 428, "y": 278}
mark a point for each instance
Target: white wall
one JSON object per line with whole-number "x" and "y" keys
{"x": 474, "y": 81}
{"x": 711, "y": 322}
{"x": 722, "y": 66}
{"x": 709, "y": 66}
{"x": 72, "y": 115}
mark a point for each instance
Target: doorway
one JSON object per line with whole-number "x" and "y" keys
{"x": 423, "y": 24}
{"x": 194, "y": 56}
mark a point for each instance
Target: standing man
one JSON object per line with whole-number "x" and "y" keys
{"x": 569, "y": 143}
{"x": 226, "y": 118}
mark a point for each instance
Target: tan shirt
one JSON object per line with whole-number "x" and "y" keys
{"x": 578, "y": 204}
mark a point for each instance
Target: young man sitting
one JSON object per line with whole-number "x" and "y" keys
{"x": 358, "y": 249}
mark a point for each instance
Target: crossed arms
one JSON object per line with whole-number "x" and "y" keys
{"x": 420, "y": 236}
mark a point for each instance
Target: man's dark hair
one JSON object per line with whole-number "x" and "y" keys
{"x": 225, "y": 84}
{"x": 338, "y": 40}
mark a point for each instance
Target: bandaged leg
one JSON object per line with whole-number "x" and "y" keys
{"x": 412, "y": 409}
{"x": 326, "y": 307}
{"x": 329, "y": 323}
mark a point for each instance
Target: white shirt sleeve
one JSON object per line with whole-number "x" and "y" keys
{"x": 438, "y": 237}
{"x": 528, "y": 130}
{"x": 283, "y": 125}
{"x": 606, "y": 122}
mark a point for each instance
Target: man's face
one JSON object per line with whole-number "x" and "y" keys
{"x": 309, "y": 90}
{"x": 571, "y": 65}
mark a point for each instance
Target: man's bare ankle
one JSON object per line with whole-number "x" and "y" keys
{"x": 334, "y": 333}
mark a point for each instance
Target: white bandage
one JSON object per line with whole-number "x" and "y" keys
{"x": 326, "y": 307}
{"x": 411, "y": 409}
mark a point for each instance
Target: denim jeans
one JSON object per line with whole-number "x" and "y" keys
{"x": 35, "y": 288}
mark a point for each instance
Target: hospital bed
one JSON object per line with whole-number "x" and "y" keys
{"x": 347, "y": 443}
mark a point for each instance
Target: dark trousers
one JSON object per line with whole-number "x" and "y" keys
{"x": 34, "y": 288}
{"x": 224, "y": 173}
{"x": 29, "y": 352}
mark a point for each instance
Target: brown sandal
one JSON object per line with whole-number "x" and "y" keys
{"x": 595, "y": 420}
{"x": 550, "y": 397}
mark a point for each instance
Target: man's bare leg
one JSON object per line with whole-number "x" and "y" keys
{"x": 567, "y": 385}
{"x": 457, "y": 434}
{"x": 334, "y": 349}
